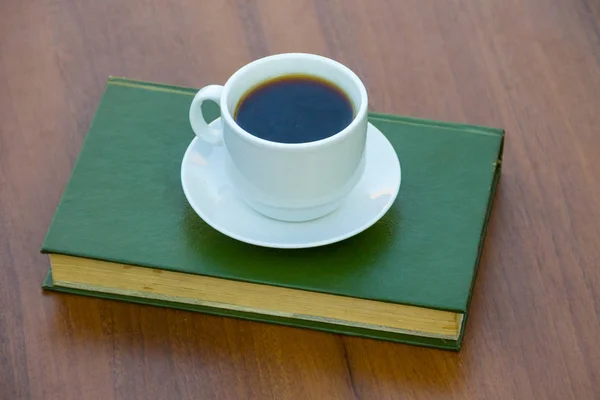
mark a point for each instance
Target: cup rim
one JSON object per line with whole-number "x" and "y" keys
{"x": 360, "y": 112}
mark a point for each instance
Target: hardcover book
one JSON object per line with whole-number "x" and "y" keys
{"x": 123, "y": 230}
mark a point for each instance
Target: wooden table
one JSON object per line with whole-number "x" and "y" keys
{"x": 529, "y": 66}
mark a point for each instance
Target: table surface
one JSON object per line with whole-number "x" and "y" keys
{"x": 529, "y": 66}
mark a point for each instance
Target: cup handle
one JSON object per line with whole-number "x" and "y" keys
{"x": 213, "y": 135}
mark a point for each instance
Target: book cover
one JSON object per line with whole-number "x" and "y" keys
{"x": 124, "y": 204}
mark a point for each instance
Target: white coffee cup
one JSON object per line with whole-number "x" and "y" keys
{"x": 287, "y": 181}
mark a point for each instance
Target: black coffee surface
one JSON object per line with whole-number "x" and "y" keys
{"x": 294, "y": 109}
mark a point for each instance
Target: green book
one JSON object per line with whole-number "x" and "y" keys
{"x": 124, "y": 230}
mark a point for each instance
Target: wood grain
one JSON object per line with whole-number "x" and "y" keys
{"x": 529, "y": 66}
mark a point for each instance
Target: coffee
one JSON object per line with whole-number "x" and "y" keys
{"x": 294, "y": 109}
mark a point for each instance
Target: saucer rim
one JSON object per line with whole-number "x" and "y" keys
{"x": 303, "y": 245}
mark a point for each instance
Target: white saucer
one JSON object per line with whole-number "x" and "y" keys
{"x": 209, "y": 192}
